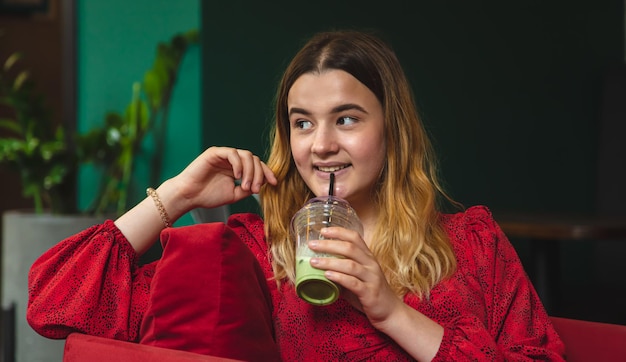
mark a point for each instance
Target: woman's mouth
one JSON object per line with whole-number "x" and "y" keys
{"x": 330, "y": 168}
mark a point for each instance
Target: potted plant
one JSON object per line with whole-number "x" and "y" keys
{"x": 47, "y": 158}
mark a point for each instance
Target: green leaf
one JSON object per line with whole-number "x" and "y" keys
{"x": 137, "y": 114}
{"x": 21, "y": 78}
{"x": 114, "y": 119}
{"x": 144, "y": 116}
{"x": 192, "y": 36}
{"x": 55, "y": 176}
{"x": 113, "y": 136}
{"x": 11, "y": 60}
{"x": 59, "y": 134}
{"x": 162, "y": 66}
{"x": 30, "y": 189}
{"x": 10, "y": 149}
{"x": 31, "y": 145}
{"x": 153, "y": 84}
{"x": 125, "y": 158}
{"x": 10, "y": 125}
{"x": 50, "y": 149}
{"x": 166, "y": 57}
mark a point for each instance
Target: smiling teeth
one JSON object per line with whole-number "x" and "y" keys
{"x": 331, "y": 169}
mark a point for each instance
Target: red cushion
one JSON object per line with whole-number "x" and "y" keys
{"x": 209, "y": 296}
{"x": 82, "y": 348}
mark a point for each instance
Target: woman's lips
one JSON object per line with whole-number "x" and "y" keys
{"x": 330, "y": 169}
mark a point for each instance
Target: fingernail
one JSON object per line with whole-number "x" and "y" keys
{"x": 315, "y": 261}
{"x": 313, "y": 244}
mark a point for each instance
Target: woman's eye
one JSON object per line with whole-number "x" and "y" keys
{"x": 302, "y": 124}
{"x": 346, "y": 120}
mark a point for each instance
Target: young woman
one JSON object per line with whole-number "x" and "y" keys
{"x": 418, "y": 284}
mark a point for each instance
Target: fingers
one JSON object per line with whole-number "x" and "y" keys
{"x": 250, "y": 170}
{"x": 269, "y": 175}
{"x": 356, "y": 258}
{"x": 244, "y": 165}
{"x": 345, "y": 242}
{"x": 347, "y": 272}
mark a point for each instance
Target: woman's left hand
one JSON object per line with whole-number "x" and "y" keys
{"x": 358, "y": 272}
{"x": 367, "y": 289}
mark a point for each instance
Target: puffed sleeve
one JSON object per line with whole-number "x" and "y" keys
{"x": 89, "y": 283}
{"x": 515, "y": 325}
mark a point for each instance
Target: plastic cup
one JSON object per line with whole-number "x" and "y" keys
{"x": 311, "y": 284}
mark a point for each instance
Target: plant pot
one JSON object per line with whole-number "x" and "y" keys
{"x": 26, "y": 236}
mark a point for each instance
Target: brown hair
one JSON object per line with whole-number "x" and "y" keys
{"x": 411, "y": 246}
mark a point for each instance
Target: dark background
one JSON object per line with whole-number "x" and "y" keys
{"x": 511, "y": 93}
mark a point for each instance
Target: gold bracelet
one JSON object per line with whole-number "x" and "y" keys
{"x": 157, "y": 201}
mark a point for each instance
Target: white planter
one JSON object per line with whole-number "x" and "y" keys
{"x": 25, "y": 237}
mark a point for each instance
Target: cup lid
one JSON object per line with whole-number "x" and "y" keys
{"x": 326, "y": 203}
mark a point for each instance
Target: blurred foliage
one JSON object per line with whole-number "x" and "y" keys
{"x": 47, "y": 158}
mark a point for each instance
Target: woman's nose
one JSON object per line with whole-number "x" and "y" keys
{"x": 325, "y": 141}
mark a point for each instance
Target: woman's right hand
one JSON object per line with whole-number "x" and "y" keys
{"x": 222, "y": 175}
{"x": 208, "y": 181}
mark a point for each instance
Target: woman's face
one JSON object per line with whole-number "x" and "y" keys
{"x": 336, "y": 126}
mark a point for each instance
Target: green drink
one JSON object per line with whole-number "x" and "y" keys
{"x": 311, "y": 284}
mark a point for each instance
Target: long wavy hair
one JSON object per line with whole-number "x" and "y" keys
{"x": 409, "y": 241}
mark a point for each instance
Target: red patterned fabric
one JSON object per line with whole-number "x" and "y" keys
{"x": 90, "y": 283}
{"x": 488, "y": 308}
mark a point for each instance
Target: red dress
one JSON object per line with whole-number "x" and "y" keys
{"x": 91, "y": 283}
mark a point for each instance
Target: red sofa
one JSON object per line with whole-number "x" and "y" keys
{"x": 584, "y": 341}
{"x": 591, "y": 341}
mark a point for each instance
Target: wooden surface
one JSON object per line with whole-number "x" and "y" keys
{"x": 562, "y": 227}
{"x": 547, "y": 234}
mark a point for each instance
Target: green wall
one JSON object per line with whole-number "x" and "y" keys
{"x": 116, "y": 42}
{"x": 508, "y": 90}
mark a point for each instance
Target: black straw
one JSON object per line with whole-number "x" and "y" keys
{"x": 331, "y": 192}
